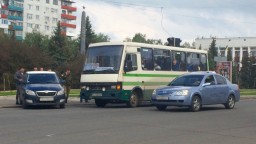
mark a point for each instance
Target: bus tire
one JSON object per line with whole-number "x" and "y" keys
{"x": 100, "y": 103}
{"x": 133, "y": 100}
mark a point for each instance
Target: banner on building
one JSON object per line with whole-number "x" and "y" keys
{"x": 225, "y": 69}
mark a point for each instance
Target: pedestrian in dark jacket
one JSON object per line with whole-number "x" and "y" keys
{"x": 19, "y": 78}
{"x": 68, "y": 82}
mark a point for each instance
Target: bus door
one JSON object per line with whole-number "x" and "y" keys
{"x": 131, "y": 78}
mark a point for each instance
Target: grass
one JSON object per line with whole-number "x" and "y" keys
{"x": 76, "y": 92}
{"x": 248, "y": 92}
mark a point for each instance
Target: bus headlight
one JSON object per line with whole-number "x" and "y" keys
{"x": 154, "y": 92}
{"x": 103, "y": 89}
{"x": 87, "y": 88}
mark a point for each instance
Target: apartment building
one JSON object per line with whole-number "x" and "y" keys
{"x": 68, "y": 19}
{"x": 3, "y": 17}
{"x": 26, "y": 16}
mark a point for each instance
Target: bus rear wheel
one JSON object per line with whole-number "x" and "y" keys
{"x": 100, "y": 103}
{"x": 134, "y": 100}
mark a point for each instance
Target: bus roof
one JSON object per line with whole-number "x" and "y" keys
{"x": 136, "y": 44}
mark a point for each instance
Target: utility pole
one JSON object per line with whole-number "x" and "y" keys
{"x": 83, "y": 33}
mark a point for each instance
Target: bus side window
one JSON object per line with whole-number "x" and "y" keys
{"x": 147, "y": 61}
{"x": 162, "y": 60}
{"x": 179, "y": 61}
{"x": 203, "y": 62}
{"x": 193, "y": 62}
{"x": 130, "y": 62}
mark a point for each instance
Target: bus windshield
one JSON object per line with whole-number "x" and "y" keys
{"x": 103, "y": 59}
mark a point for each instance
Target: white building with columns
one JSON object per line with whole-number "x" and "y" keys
{"x": 239, "y": 45}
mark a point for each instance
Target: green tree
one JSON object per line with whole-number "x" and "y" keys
{"x": 245, "y": 73}
{"x": 253, "y": 72}
{"x": 100, "y": 38}
{"x": 212, "y": 52}
{"x": 229, "y": 54}
{"x": 154, "y": 41}
{"x": 139, "y": 37}
{"x": 58, "y": 47}
{"x": 186, "y": 45}
{"x": 91, "y": 36}
{"x": 37, "y": 40}
{"x": 235, "y": 70}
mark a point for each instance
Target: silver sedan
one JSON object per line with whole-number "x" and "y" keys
{"x": 196, "y": 89}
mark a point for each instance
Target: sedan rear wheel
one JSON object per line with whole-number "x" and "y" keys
{"x": 195, "y": 104}
{"x": 230, "y": 104}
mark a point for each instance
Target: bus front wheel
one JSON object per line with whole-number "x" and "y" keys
{"x": 100, "y": 103}
{"x": 134, "y": 100}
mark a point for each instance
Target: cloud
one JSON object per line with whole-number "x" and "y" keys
{"x": 187, "y": 19}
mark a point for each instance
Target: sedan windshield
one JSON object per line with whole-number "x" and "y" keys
{"x": 103, "y": 59}
{"x": 187, "y": 80}
{"x": 42, "y": 79}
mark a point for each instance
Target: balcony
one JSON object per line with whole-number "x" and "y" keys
{"x": 15, "y": 27}
{"x": 69, "y": 17}
{"x": 63, "y": 24}
{"x": 15, "y": 8}
{"x": 15, "y": 17}
{"x": 69, "y": 8}
{"x": 4, "y": 6}
{"x": 4, "y": 16}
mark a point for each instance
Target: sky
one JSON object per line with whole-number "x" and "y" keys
{"x": 160, "y": 19}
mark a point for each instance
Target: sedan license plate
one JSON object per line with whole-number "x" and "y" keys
{"x": 97, "y": 94}
{"x": 162, "y": 98}
{"x": 46, "y": 98}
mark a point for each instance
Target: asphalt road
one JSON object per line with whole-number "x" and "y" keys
{"x": 116, "y": 124}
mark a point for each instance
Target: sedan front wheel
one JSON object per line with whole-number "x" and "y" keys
{"x": 195, "y": 104}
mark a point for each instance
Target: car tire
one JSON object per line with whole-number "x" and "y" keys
{"x": 161, "y": 107}
{"x": 62, "y": 106}
{"x": 100, "y": 103}
{"x": 133, "y": 101}
{"x": 196, "y": 104}
{"x": 230, "y": 104}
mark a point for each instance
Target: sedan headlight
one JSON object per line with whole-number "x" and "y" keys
{"x": 61, "y": 92}
{"x": 181, "y": 93}
{"x": 30, "y": 92}
{"x": 154, "y": 92}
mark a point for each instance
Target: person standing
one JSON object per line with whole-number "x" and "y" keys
{"x": 19, "y": 78}
{"x": 68, "y": 82}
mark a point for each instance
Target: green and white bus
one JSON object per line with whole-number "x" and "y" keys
{"x": 128, "y": 72}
